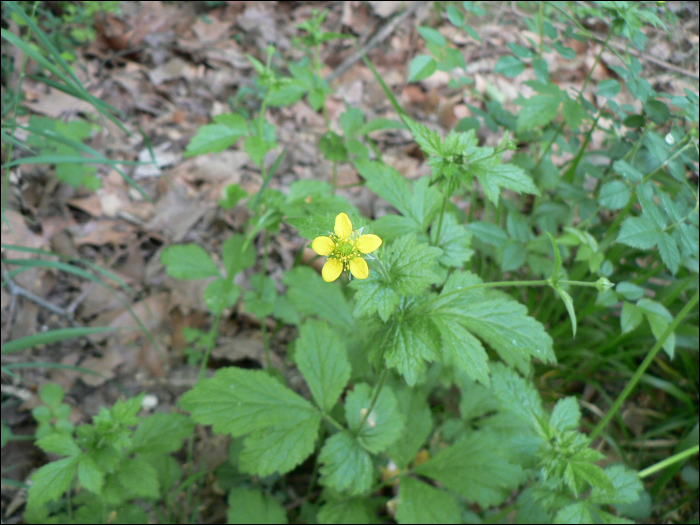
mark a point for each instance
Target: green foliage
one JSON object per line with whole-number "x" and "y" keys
{"x": 110, "y": 459}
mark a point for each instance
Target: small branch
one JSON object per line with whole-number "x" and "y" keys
{"x": 17, "y": 290}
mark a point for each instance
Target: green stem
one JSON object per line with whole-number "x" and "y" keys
{"x": 373, "y": 401}
{"x": 263, "y": 324}
{"x": 211, "y": 339}
{"x": 668, "y": 461}
{"x": 332, "y": 421}
{"x": 442, "y": 212}
{"x": 645, "y": 364}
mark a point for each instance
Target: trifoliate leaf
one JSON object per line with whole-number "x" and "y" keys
{"x": 251, "y": 506}
{"x": 346, "y": 466}
{"x": 382, "y": 426}
{"x": 406, "y": 342}
{"x": 581, "y": 471}
{"x": 422, "y": 503}
{"x": 282, "y": 426}
{"x": 476, "y": 468}
{"x": 322, "y": 359}
{"x": 188, "y": 261}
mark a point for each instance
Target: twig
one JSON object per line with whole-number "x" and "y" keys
{"x": 381, "y": 35}
{"x": 17, "y": 290}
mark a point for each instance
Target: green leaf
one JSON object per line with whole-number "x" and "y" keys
{"x": 573, "y": 113}
{"x": 614, "y": 195}
{"x": 332, "y": 147}
{"x": 495, "y": 318}
{"x": 322, "y": 359}
{"x": 59, "y": 443}
{"x": 421, "y": 503}
{"x": 51, "y": 393}
{"x": 213, "y": 138}
{"x": 237, "y": 254}
{"x": 347, "y": 467}
{"x": 455, "y": 242}
{"x": 624, "y": 168}
{"x": 569, "y": 304}
{"x": 383, "y": 425}
{"x": 431, "y": 35}
{"x": 256, "y": 147}
{"x": 406, "y": 342}
{"x": 162, "y": 433}
{"x": 629, "y": 291}
{"x": 247, "y": 506}
{"x": 574, "y": 513}
{"x": 659, "y": 318}
{"x": 580, "y": 469}
{"x": 669, "y": 252}
{"x": 260, "y": 301}
{"x": 346, "y": 512}
{"x": 231, "y": 195}
{"x": 566, "y": 414}
{"x": 410, "y": 264}
{"x": 90, "y": 475}
{"x": 461, "y": 349}
{"x": 388, "y": 183}
{"x": 419, "y": 425}
{"x": 311, "y": 296}
{"x": 282, "y": 426}
{"x": 638, "y": 232}
{"x": 509, "y": 66}
{"x": 422, "y": 66}
{"x": 488, "y": 233}
{"x": 475, "y": 467}
{"x": 626, "y": 483}
{"x": 221, "y": 294}
{"x": 516, "y": 395}
{"x": 374, "y": 294}
{"x": 493, "y": 175}
{"x": 539, "y": 110}
{"x": 51, "y": 481}
{"x": 608, "y": 88}
{"x": 188, "y": 261}
{"x": 139, "y": 477}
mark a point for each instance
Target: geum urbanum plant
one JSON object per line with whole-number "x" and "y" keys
{"x": 424, "y": 324}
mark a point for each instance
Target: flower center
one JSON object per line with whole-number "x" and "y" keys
{"x": 345, "y": 249}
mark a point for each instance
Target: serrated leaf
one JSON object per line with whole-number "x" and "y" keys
{"x": 374, "y": 294}
{"x": 51, "y": 481}
{"x": 569, "y": 304}
{"x": 476, "y": 468}
{"x": 624, "y": 168}
{"x": 638, "y": 232}
{"x": 492, "y": 175}
{"x": 515, "y": 394}
{"x": 231, "y": 195}
{"x": 421, "y": 503}
{"x": 669, "y": 252}
{"x": 488, "y": 233}
{"x": 406, "y": 342}
{"x": 659, "y": 318}
{"x": 428, "y": 140}
{"x": 608, "y": 88}
{"x": 419, "y": 425}
{"x": 573, "y": 113}
{"x": 574, "y": 513}
{"x": 626, "y": 483}
{"x": 220, "y": 294}
{"x": 322, "y": 359}
{"x": 282, "y": 426}
{"x": 509, "y": 66}
{"x": 260, "y": 301}
{"x": 388, "y": 183}
{"x": 139, "y": 477}
{"x": 346, "y": 512}
{"x": 59, "y": 443}
{"x": 188, "y": 261}
{"x": 256, "y": 147}
{"x": 382, "y": 426}
{"x": 161, "y": 433}
{"x": 251, "y": 506}
{"x": 212, "y": 138}
{"x": 455, "y": 242}
{"x": 346, "y": 466}
{"x": 539, "y": 110}
{"x": 614, "y": 195}
{"x": 566, "y": 414}
{"x": 461, "y": 349}
{"x": 580, "y": 471}
{"x": 90, "y": 475}
{"x": 410, "y": 264}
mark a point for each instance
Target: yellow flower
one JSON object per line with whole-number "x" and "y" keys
{"x": 344, "y": 250}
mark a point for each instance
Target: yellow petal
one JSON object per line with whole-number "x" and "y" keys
{"x": 331, "y": 270}
{"x": 343, "y": 226}
{"x": 323, "y": 245}
{"x": 368, "y": 243}
{"x": 358, "y": 267}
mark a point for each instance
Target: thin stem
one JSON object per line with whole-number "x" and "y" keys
{"x": 211, "y": 339}
{"x": 375, "y": 396}
{"x": 442, "y": 212}
{"x": 668, "y": 461}
{"x": 263, "y": 324}
{"x": 645, "y": 364}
